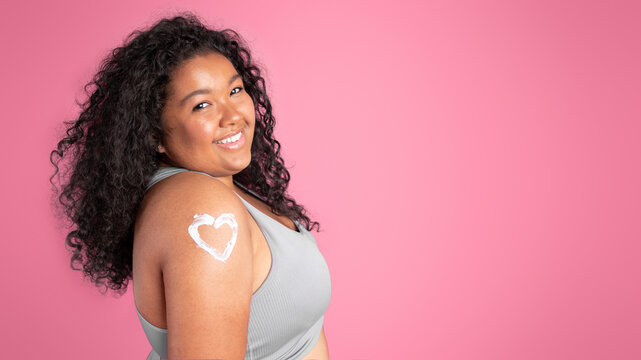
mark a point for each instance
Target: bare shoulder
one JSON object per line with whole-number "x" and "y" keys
{"x": 202, "y": 236}
{"x": 170, "y": 205}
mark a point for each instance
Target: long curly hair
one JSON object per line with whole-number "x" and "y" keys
{"x": 109, "y": 152}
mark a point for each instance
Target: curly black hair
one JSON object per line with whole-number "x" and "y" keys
{"x": 109, "y": 151}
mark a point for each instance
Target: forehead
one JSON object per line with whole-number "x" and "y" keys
{"x": 211, "y": 70}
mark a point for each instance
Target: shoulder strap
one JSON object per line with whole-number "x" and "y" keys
{"x": 162, "y": 173}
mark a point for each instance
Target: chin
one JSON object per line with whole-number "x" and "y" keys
{"x": 242, "y": 165}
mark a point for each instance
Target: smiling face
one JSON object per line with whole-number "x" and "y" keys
{"x": 208, "y": 119}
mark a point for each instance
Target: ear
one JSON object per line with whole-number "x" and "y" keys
{"x": 156, "y": 138}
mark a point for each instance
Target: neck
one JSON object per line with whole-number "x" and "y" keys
{"x": 227, "y": 180}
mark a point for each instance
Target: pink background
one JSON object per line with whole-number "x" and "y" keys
{"x": 475, "y": 166}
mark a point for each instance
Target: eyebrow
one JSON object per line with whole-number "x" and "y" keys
{"x": 205, "y": 90}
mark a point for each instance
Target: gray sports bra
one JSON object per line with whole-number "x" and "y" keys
{"x": 288, "y": 309}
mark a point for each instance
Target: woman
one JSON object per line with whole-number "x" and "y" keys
{"x": 177, "y": 182}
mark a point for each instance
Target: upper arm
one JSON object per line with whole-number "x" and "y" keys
{"x": 207, "y": 291}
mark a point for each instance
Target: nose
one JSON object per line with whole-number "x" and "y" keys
{"x": 230, "y": 116}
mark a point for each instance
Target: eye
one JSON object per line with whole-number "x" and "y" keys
{"x": 239, "y": 90}
{"x": 200, "y": 106}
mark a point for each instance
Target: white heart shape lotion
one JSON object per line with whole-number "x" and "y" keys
{"x": 206, "y": 219}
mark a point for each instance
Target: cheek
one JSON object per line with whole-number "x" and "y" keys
{"x": 200, "y": 131}
{"x": 250, "y": 112}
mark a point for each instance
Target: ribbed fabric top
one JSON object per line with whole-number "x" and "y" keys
{"x": 287, "y": 311}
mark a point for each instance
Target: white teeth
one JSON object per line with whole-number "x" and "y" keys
{"x": 229, "y": 139}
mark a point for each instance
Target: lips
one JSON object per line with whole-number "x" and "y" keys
{"x": 232, "y": 142}
{"x": 227, "y": 136}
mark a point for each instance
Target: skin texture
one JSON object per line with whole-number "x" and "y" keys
{"x": 202, "y": 301}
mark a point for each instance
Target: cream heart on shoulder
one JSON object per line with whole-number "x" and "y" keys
{"x": 206, "y": 219}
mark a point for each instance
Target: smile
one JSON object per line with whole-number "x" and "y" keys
{"x": 230, "y": 139}
{"x": 232, "y": 142}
